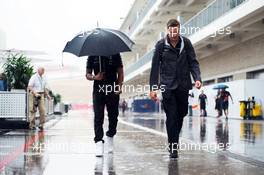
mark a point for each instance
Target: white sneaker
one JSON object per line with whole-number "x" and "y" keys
{"x": 110, "y": 144}
{"x": 99, "y": 149}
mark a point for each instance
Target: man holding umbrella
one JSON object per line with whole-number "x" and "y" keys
{"x": 222, "y": 99}
{"x": 105, "y": 68}
{"x": 107, "y": 87}
{"x": 173, "y": 61}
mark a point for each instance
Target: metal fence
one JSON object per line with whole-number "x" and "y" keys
{"x": 209, "y": 14}
{"x": 142, "y": 61}
{"x": 14, "y": 105}
{"x": 141, "y": 15}
{"x": 214, "y": 10}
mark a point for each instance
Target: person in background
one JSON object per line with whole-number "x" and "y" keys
{"x": 3, "y": 82}
{"x": 129, "y": 104}
{"x": 202, "y": 101}
{"x": 37, "y": 87}
{"x": 190, "y": 103}
{"x": 225, "y": 95}
{"x": 124, "y": 106}
{"x": 218, "y": 104}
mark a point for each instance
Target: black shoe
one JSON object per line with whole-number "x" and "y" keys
{"x": 41, "y": 128}
{"x": 174, "y": 155}
{"x": 173, "y": 150}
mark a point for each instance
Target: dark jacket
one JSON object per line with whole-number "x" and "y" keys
{"x": 172, "y": 69}
{"x": 109, "y": 65}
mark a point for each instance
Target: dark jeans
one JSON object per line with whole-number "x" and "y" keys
{"x": 175, "y": 104}
{"x": 111, "y": 101}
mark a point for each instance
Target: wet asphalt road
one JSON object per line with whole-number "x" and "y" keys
{"x": 66, "y": 147}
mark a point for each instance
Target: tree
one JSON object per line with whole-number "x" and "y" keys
{"x": 18, "y": 71}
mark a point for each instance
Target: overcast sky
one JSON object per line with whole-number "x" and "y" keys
{"x": 46, "y": 25}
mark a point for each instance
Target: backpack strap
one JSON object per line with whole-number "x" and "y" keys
{"x": 161, "y": 48}
{"x": 162, "y": 44}
{"x": 186, "y": 44}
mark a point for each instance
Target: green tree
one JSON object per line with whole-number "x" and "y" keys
{"x": 18, "y": 70}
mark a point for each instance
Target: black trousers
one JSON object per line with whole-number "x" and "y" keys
{"x": 111, "y": 101}
{"x": 175, "y": 104}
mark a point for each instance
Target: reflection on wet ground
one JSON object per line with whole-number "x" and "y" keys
{"x": 67, "y": 148}
{"x": 242, "y": 137}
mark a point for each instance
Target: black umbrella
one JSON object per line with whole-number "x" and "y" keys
{"x": 99, "y": 42}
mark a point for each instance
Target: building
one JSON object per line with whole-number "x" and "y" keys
{"x": 228, "y": 36}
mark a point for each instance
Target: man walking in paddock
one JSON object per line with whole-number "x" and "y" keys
{"x": 173, "y": 61}
{"x": 106, "y": 78}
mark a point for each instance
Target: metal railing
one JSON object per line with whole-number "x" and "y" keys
{"x": 15, "y": 105}
{"x": 213, "y": 11}
{"x": 204, "y": 17}
{"x": 142, "y": 61}
{"x": 141, "y": 15}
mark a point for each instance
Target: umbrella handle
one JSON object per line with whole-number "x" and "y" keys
{"x": 100, "y": 64}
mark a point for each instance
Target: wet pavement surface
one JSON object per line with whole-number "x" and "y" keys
{"x": 242, "y": 137}
{"x": 66, "y": 147}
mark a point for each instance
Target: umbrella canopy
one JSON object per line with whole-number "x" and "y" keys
{"x": 99, "y": 42}
{"x": 220, "y": 86}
